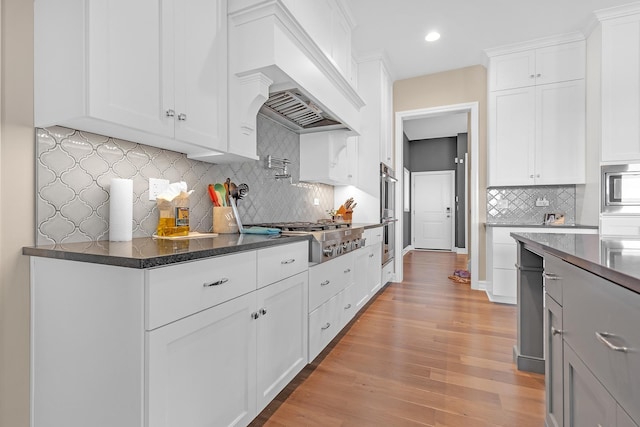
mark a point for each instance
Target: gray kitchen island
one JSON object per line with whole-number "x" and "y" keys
{"x": 578, "y": 311}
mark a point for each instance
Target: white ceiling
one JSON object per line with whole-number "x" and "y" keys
{"x": 468, "y": 27}
{"x": 396, "y": 28}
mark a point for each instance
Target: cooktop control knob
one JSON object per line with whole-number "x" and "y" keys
{"x": 328, "y": 251}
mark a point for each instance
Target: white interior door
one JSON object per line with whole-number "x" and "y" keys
{"x": 433, "y": 210}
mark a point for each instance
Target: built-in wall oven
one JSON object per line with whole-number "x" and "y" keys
{"x": 387, "y": 212}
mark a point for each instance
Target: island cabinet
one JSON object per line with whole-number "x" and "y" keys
{"x": 199, "y": 343}
{"x": 152, "y": 72}
{"x": 537, "y": 116}
{"x": 590, "y": 339}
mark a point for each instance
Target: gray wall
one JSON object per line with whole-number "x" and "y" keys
{"x": 439, "y": 154}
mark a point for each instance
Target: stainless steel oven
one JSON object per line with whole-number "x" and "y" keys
{"x": 387, "y": 212}
{"x": 621, "y": 188}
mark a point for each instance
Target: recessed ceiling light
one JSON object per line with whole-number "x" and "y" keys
{"x": 432, "y": 36}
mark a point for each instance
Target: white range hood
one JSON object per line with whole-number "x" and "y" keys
{"x": 269, "y": 52}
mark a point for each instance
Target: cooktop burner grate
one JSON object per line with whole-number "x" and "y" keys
{"x": 305, "y": 226}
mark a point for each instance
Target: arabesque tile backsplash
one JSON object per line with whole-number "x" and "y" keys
{"x": 74, "y": 170}
{"x": 521, "y": 206}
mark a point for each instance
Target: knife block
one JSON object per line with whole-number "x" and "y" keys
{"x": 224, "y": 222}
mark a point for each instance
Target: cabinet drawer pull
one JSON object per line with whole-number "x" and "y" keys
{"x": 216, "y": 283}
{"x": 288, "y": 261}
{"x": 325, "y": 283}
{"x": 348, "y": 307}
{"x": 170, "y": 113}
{"x": 551, "y": 276}
{"x": 348, "y": 270}
{"x": 326, "y": 326}
{"x": 602, "y": 337}
{"x": 370, "y": 255}
{"x": 555, "y": 331}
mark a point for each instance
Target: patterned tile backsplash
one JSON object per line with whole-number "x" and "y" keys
{"x": 517, "y": 205}
{"x": 74, "y": 170}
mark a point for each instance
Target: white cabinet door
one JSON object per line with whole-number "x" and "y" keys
{"x": 201, "y": 369}
{"x": 386, "y": 118}
{"x": 560, "y": 63}
{"x": 200, "y": 46}
{"x": 374, "y": 270}
{"x": 512, "y": 137}
{"x": 553, "y": 361}
{"x": 621, "y": 89}
{"x": 128, "y": 76}
{"x": 560, "y": 133}
{"x": 512, "y": 70}
{"x": 282, "y": 335}
{"x": 362, "y": 290}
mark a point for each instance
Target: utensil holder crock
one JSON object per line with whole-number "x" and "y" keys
{"x": 224, "y": 222}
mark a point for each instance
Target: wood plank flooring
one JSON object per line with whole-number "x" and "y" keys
{"x": 425, "y": 352}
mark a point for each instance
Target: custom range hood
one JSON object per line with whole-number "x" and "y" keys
{"x": 277, "y": 69}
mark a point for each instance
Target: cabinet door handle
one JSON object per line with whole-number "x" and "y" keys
{"x": 348, "y": 307}
{"x": 216, "y": 283}
{"x": 255, "y": 315}
{"x": 530, "y": 176}
{"x": 370, "y": 255}
{"x": 326, "y": 326}
{"x": 170, "y": 113}
{"x": 182, "y": 117}
{"x": 288, "y": 261}
{"x": 263, "y": 311}
{"x": 531, "y": 76}
{"x": 551, "y": 276}
{"x": 556, "y": 331}
{"x": 348, "y": 270}
{"x": 538, "y": 75}
{"x": 602, "y": 337}
{"x": 325, "y": 283}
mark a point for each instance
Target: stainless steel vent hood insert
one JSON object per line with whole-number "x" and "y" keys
{"x": 297, "y": 112}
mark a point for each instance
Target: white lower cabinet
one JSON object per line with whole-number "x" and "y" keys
{"x": 282, "y": 335}
{"x": 324, "y": 325}
{"x": 202, "y": 369}
{"x": 368, "y": 269}
{"x": 108, "y": 337}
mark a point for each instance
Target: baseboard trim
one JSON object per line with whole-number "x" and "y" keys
{"x": 500, "y": 299}
{"x": 407, "y": 250}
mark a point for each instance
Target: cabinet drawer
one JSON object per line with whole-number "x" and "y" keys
{"x": 349, "y": 305}
{"x": 329, "y": 278}
{"x": 324, "y": 325}
{"x": 373, "y": 236}
{"x": 597, "y": 312}
{"x": 279, "y": 262}
{"x": 554, "y": 270}
{"x": 177, "y": 291}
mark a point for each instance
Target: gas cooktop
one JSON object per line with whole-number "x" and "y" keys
{"x": 305, "y": 226}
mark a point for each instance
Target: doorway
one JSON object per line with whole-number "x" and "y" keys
{"x": 472, "y": 220}
{"x": 433, "y": 213}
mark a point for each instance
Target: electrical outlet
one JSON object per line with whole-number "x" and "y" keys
{"x": 502, "y": 204}
{"x": 316, "y": 202}
{"x": 157, "y": 186}
{"x": 541, "y": 202}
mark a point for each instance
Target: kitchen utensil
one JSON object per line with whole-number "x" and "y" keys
{"x": 227, "y": 194}
{"x": 222, "y": 192}
{"x": 233, "y": 190}
{"x": 243, "y": 189}
{"x": 213, "y": 195}
{"x": 235, "y": 213}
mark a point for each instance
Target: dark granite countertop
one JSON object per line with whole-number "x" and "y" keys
{"x": 147, "y": 252}
{"x": 617, "y": 260}
{"x": 502, "y": 224}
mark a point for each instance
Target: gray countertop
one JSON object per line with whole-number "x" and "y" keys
{"x": 614, "y": 259}
{"x": 147, "y": 252}
{"x": 502, "y": 224}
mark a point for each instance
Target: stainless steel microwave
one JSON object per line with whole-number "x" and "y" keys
{"x": 621, "y": 188}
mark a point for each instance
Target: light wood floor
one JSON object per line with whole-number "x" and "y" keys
{"x": 425, "y": 352}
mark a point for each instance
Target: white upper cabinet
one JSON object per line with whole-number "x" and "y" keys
{"x": 537, "y": 126}
{"x": 621, "y": 89}
{"x": 549, "y": 64}
{"x": 150, "y": 71}
{"x": 324, "y": 157}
